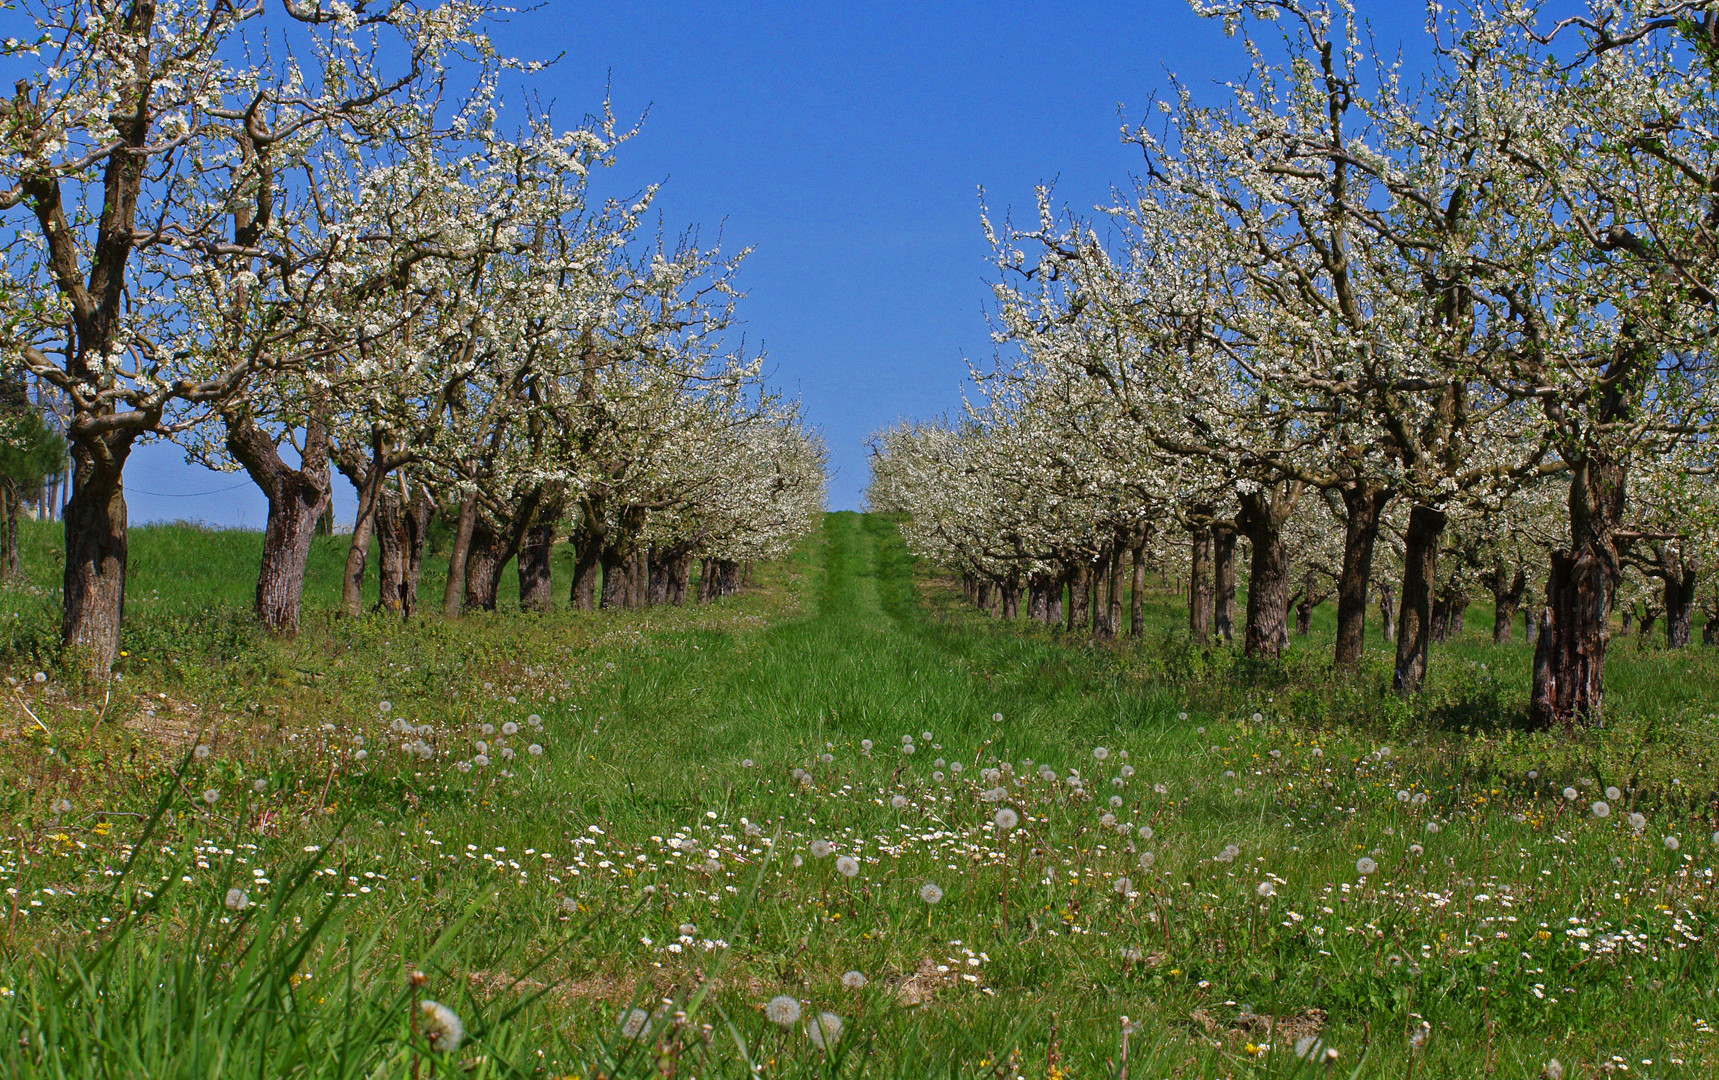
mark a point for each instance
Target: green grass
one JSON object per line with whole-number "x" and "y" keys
{"x": 543, "y": 898}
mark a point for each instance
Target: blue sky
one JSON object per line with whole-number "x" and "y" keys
{"x": 847, "y": 143}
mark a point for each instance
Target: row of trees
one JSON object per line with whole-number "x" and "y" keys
{"x": 1470, "y": 316}
{"x": 280, "y": 236}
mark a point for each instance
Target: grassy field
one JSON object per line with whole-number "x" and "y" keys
{"x": 736, "y": 819}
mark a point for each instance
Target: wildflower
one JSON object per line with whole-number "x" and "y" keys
{"x": 783, "y": 1010}
{"x": 937, "y": 776}
{"x": 384, "y": 706}
{"x": 360, "y": 755}
{"x": 1312, "y": 1048}
{"x": 1123, "y": 886}
{"x": 1418, "y": 1037}
{"x": 824, "y": 1030}
{"x": 746, "y": 763}
{"x": 1570, "y": 794}
{"x": 509, "y": 728}
{"x": 535, "y": 749}
{"x": 1116, "y": 800}
{"x": 1099, "y": 753}
{"x": 211, "y": 796}
{"x": 534, "y": 720}
{"x": 482, "y": 747}
{"x": 1672, "y": 843}
{"x": 926, "y": 735}
{"x": 259, "y": 786}
{"x": 847, "y": 866}
{"x": 1266, "y": 890}
{"x": 1006, "y": 819}
{"x": 237, "y": 900}
{"x": 442, "y": 1026}
{"x": 1554, "y": 1070}
{"x": 569, "y": 905}
{"x": 854, "y": 980}
{"x": 1638, "y": 821}
{"x": 1613, "y": 794}
{"x": 636, "y": 1024}
{"x": 956, "y": 767}
{"x": 1127, "y": 771}
{"x": 1228, "y": 854}
{"x": 930, "y": 893}
{"x": 907, "y": 748}
{"x": 1404, "y": 796}
{"x": 1162, "y": 789}
{"x": 1146, "y": 832}
{"x": 996, "y": 718}
{"x": 1432, "y": 826}
{"x": 1147, "y": 858}
{"x": 1601, "y": 810}
{"x": 41, "y": 676}
{"x": 1365, "y": 866}
{"x": 481, "y": 760}
{"x": 201, "y": 752}
{"x": 822, "y": 848}
{"x": 865, "y": 746}
{"x": 1416, "y": 849}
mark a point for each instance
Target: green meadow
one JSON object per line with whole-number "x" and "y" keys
{"x": 840, "y": 825}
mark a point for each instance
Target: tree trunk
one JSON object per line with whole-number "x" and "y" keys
{"x": 615, "y": 564}
{"x": 1261, "y": 521}
{"x": 1362, "y": 508}
{"x": 297, "y": 499}
{"x": 453, "y": 594}
{"x": 1200, "y": 585}
{"x": 485, "y": 561}
{"x": 1387, "y": 611}
{"x": 1414, "y": 619}
{"x": 1679, "y": 609}
{"x": 96, "y": 548}
{"x": 363, "y": 528}
{"x": 1137, "y": 597}
{"x": 587, "y": 564}
{"x": 1506, "y": 598}
{"x": 1224, "y": 581}
{"x": 8, "y": 529}
{"x": 1080, "y": 596}
{"x": 1304, "y": 607}
{"x": 1011, "y": 599}
{"x": 536, "y": 568}
{"x": 1570, "y": 688}
{"x": 419, "y": 513}
{"x": 390, "y": 553}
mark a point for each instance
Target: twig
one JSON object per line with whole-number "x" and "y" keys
{"x": 19, "y": 698}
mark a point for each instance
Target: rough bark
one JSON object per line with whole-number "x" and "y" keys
{"x": 1570, "y": 688}
{"x": 8, "y": 529}
{"x": 1261, "y": 520}
{"x": 536, "y": 568}
{"x": 587, "y": 564}
{"x": 1507, "y": 592}
{"x": 1414, "y": 618}
{"x": 1224, "y": 581}
{"x": 1304, "y": 605}
{"x": 1362, "y": 508}
{"x": 416, "y": 525}
{"x": 454, "y": 593}
{"x": 1080, "y": 596}
{"x": 615, "y": 562}
{"x": 1387, "y": 611}
{"x": 390, "y": 553}
{"x": 1201, "y": 597}
{"x": 1137, "y": 596}
{"x": 485, "y": 561}
{"x": 370, "y": 491}
{"x": 1679, "y": 609}
{"x": 95, "y": 522}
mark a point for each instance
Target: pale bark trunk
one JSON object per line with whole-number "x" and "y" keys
{"x": 1506, "y": 599}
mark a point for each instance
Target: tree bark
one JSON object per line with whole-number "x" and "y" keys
{"x": 1304, "y": 607}
{"x": 1679, "y": 608}
{"x": 485, "y": 560}
{"x": 1261, "y": 520}
{"x": 1137, "y": 596}
{"x": 1362, "y": 507}
{"x": 1387, "y": 611}
{"x": 363, "y": 528}
{"x": 1224, "y": 581}
{"x": 416, "y": 521}
{"x": 390, "y": 553}
{"x": 1506, "y": 599}
{"x": 536, "y": 568}
{"x": 615, "y": 563}
{"x": 1570, "y": 689}
{"x": 96, "y": 550}
{"x": 1201, "y": 585}
{"x": 1080, "y": 596}
{"x": 8, "y": 529}
{"x": 454, "y": 593}
{"x": 1414, "y": 619}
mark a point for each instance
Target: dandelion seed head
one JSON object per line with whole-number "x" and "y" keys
{"x": 1613, "y": 794}
{"x": 825, "y": 1030}
{"x": 509, "y": 728}
{"x": 855, "y": 980}
{"x": 930, "y": 893}
{"x": 237, "y": 900}
{"x": 1006, "y": 819}
{"x": 783, "y": 1010}
{"x": 1099, "y": 753}
{"x": 441, "y": 1026}
{"x": 822, "y": 848}
{"x": 1672, "y": 843}
{"x": 1365, "y": 865}
{"x": 1265, "y": 889}
{"x": 201, "y": 752}
{"x": 211, "y": 796}
{"x": 1602, "y": 810}
{"x": 635, "y": 1024}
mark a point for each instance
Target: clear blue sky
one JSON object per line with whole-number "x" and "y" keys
{"x": 847, "y": 143}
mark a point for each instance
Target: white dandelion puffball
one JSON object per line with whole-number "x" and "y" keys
{"x": 1147, "y": 858}
{"x": 1638, "y": 821}
{"x": 482, "y": 747}
{"x": 1554, "y": 1070}
{"x": 1672, "y": 843}
{"x": 40, "y": 676}
{"x": 61, "y": 806}
{"x": 854, "y": 980}
{"x": 908, "y": 749}
{"x": 211, "y": 796}
{"x": 925, "y": 735}
{"x": 1602, "y": 810}
{"x": 1127, "y": 771}
{"x": 384, "y": 706}
{"x": 1266, "y": 890}
{"x": 237, "y": 900}
{"x": 1123, "y": 886}
{"x": 260, "y": 786}
{"x": 1146, "y": 832}
{"x": 746, "y": 763}
{"x": 1416, "y": 849}
{"x": 865, "y": 746}
{"x": 1613, "y": 794}
{"x": 930, "y": 893}
{"x": 905, "y": 739}
{"x": 201, "y": 752}
{"x": 441, "y": 1026}
{"x": 898, "y": 801}
{"x": 1099, "y": 753}
{"x": 1365, "y": 866}
{"x": 1116, "y": 801}
{"x": 783, "y": 1010}
{"x": 822, "y": 849}
{"x": 1404, "y": 796}
{"x": 636, "y": 1024}
{"x": 481, "y": 760}
{"x": 1312, "y": 1048}
{"x": 1570, "y": 794}
{"x": 509, "y": 728}
{"x": 1006, "y": 819}
{"x": 847, "y": 866}
{"x": 534, "y": 720}
{"x": 996, "y": 718}
{"x": 937, "y": 776}
{"x": 825, "y": 1030}
{"x": 535, "y": 750}
{"x": 360, "y": 755}
{"x": 569, "y": 905}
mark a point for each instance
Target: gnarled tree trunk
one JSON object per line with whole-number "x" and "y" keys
{"x": 1414, "y": 619}
{"x": 1080, "y": 595}
{"x": 297, "y": 499}
{"x": 1201, "y": 599}
{"x": 1137, "y": 596}
{"x": 453, "y": 594}
{"x": 1362, "y": 507}
{"x": 1261, "y": 520}
{"x": 1507, "y": 591}
{"x": 1387, "y": 611}
{"x": 1569, "y": 687}
{"x": 1224, "y": 581}
{"x": 536, "y": 568}
{"x": 95, "y": 520}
